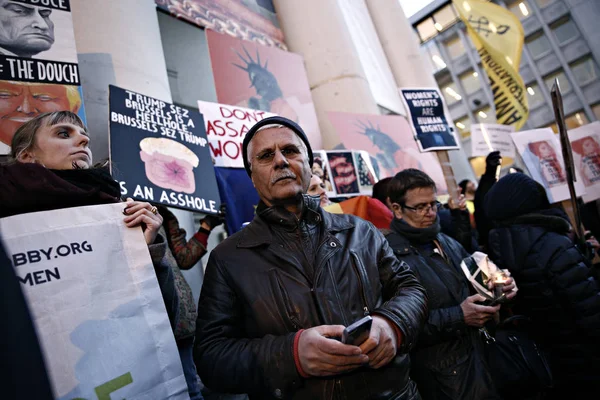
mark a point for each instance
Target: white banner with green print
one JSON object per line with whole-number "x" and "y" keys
{"x": 96, "y": 304}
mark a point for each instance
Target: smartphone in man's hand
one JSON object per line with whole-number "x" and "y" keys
{"x": 358, "y": 332}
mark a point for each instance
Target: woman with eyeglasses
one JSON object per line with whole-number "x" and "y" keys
{"x": 448, "y": 360}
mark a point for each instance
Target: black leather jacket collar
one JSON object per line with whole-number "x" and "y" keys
{"x": 258, "y": 233}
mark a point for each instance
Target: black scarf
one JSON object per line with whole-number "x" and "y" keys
{"x": 416, "y": 235}
{"x": 26, "y": 188}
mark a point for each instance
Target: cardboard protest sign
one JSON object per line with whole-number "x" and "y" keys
{"x": 38, "y": 64}
{"x": 426, "y": 113}
{"x": 541, "y": 152}
{"x": 585, "y": 143}
{"x": 226, "y": 127}
{"x": 344, "y": 173}
{"x": 159, "y": 153}
{"x": 321, "y": 168}
{"x": 486, "y": 138}
{"x": 96, "y": 304}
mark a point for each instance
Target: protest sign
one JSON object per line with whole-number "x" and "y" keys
{"x": 247, "y": 74}
{"x": 541, "y": 152}
{"x": 366, "y": 173}
{"x": 426, "y": 113}
{"x": 159, "y": 153}
{"x": 226, "y": 127}
{"x": 486, "y": 138}
{"x": 343, "y": 172}
{"x": 585, "y": 143}
{"x": 321, "y": 168}
{"x": 389, "y": 141}
{"x": 96, "y": 304}
{"x": 38, "y": 64}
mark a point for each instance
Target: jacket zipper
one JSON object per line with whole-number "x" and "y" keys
{"x": 359, "y": 273}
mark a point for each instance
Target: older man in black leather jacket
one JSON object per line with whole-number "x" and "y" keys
{"x": 278, "y": 293}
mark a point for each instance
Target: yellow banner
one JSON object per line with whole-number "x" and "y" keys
{"x": 498, "y": 37}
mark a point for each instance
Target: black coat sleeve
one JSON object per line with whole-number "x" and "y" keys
{"x": 228, "y": 361}
{"x": 405, "y": 299}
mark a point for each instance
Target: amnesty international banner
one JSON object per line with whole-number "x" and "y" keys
{"x": 96, "y": 304}
{"x": 498, "y": 37}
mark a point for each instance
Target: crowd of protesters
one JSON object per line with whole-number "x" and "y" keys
{"x": 278, "y": 294}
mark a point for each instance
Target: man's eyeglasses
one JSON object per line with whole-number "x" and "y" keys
{"x": 423, "y": 209}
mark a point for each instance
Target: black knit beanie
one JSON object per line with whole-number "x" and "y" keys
{"x": 274, "y": 121}
{"x": 514, "y": 195}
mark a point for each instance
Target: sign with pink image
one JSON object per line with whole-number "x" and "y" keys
{"x": 389, "y": 141}
{"x": 585, "y": 143}
{"x": 541, "y": 152}
{"x": 159, "y": 153}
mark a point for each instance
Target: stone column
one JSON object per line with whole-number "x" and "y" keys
{"x": 401, "y": 47}
{"x": 316, "y": 30}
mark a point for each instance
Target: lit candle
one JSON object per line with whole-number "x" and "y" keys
{"x": 499, "y": 280}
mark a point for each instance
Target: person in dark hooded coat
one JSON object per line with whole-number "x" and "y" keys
{"x": 557, "y": 290}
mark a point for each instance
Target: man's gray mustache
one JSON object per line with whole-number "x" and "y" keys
{"x": 283, "y": 175}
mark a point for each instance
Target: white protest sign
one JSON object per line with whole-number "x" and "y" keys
{"x": 226, "y": 127}
{"x": 541, "y": 152}
{"x": 95, "y": 300}
{"x": 585, "y": 143}
{"x": 486, "y": 138}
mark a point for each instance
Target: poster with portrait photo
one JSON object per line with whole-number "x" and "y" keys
{"x": 159, "y": 153}
{"x": 541, "y": 152}
{"x": 343, "y": 172}
{"x": 366, "y": 173}
{"x": 389, "y": 141}
{"x": 585, "y": 143}
{"x": 251, "y": 20}
{"x": 38, "y": 63}
{"x": 321, "y": 168}
{"x": 263, "y": 78}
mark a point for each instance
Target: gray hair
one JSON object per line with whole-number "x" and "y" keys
{"x": 24, "y": 138}
{"x": 303, "y": 147}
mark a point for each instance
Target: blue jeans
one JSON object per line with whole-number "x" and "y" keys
{"x": 186, "y": 353}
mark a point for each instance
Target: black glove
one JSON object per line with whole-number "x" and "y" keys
{"x": 215, "y": 220}
{"x": 492, "y": 161}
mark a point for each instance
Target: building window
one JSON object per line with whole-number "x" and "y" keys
{"x": 565, "y": 30}
{"x": 544, "y": 3}
{"x": 521, "y": 9}
{"x": 573, "y": 121}
{"x": 464, "y": 127}
{"x": 538, "y": 44}
{"x": 433, "y": 55}
{"x": 427, "y": 29}
{"x": 596, "y": 110}
{"x": 484, "y": 116}
{"x": 565, "y": 85}
{"x": 450, "y": 93}
{"x": 470, "y": 82}
{"x": 585, "y": 71}
{"x": 455, "y": 48}
{"x": 444, "y": 17}
{"x": 534, "y": 95}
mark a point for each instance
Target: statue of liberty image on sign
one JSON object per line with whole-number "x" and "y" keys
{"x": 392, "y": 158}
{"x": 269, "y": 95}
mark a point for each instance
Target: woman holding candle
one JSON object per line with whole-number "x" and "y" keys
{"x": 557, "y": 289}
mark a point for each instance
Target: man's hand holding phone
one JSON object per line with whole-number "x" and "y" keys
{"x": 321, "y": 354}
{"x": 382, "y": 343}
